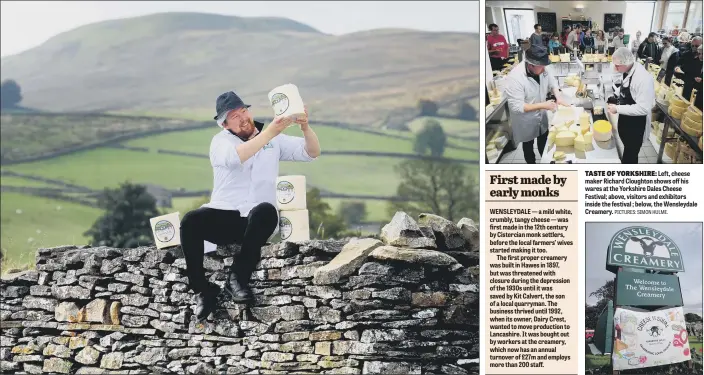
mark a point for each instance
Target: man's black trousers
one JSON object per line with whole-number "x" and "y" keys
{"x": 223, "y": 227}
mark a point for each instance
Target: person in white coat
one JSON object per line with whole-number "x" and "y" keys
{"x": 636, "y": 98}
{"x": 527, "y": 88}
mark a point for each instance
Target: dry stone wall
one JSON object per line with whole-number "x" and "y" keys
{"x": 405, "y": 305}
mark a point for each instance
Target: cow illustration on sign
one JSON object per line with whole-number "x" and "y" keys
{"x": 654, "y": 331}
{"x": 648, "y": 249}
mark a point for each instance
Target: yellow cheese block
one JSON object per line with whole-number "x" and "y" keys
{"x": 692, "y": 115}
{"x": 602, "y": 130}
{"x": 558, "y": 155}
{"x": 554, "y": 58}
{"x": 676, "y": 102}
{"x": 676, "y": 112}
{"x": 692, "y": 128}
{"x": 580, "y": 144}
{"x": 565, "y": 138}
{"x": 588, "y": 137}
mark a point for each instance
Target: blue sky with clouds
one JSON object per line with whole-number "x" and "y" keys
{"x": 687, "y": 236}
{"x": 27, "y": 24}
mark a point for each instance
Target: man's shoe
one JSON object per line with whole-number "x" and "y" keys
{"x": 237, "y": 291}
{"x": 206, "y": 302}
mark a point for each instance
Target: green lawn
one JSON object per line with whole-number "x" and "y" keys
{"x": 451, "y": 126}
{"x": 109, "y": 167}
{"x": 331, "y": 139}
{"x": 30, "y": 222}
{"x": 596, "y": 361}
{"x": 23, "y": 182}
{"x": 695, "y": 344}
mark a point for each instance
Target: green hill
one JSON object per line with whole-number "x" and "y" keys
{"x": 180, "y": 62}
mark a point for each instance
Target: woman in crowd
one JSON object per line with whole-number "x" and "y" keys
{"x": 587, "y": 41}
{"x": 600, "y": 43}
{"x": 636, "y": 43}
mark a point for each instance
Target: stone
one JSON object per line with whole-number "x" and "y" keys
{"x": 201, "y": 368}
{"x": 293, "y": 336}
{"x": 134, "y": 300}
{"x": 352, "y": 256}
{"x": 374, "y": 268}
{"x": 470, "y": 232}
{"x": 9, "y": 367}
{"x": 414, "y": 256}
{"x": 14, "y": 291}
{"x": 463, "y": 309}
{"x": 428, "y": 299}
{"x": 39, "y": 303}
{"x": 323, "y": 348}
{"x": 325, "y": 336}
{"x": 112, "y": 361}
{"x": 40, "y": 290}
{"x": 325, "y": 315}
{"x": 135, "y": 321}
{"x": 55, "y": 350}
{"x": 323, "y": 292}
{"x": 393, "y": 294}
{"x": 87, "y": 370}
{"x": 184, "y": 352}
{"x": 151, "y": 356}
{"x": 164, "y": 326}
{"x": 130, "y": 278}
{"x": 269, "y": 314}
{"x": 352, "y": 347}
{"x": 67, "y": 312}
{"x": 98, "y": 311}
{"x": 70, "y": 292}
{"x": 378, "y": 367}
{"x": 115, "y": 312}
{"x": 87, "y": 356}
{"x": 277, "y": 357}
{"x": 32, "y": 368}
{"x": 231, "y": 350}
{"x": 57, "y": 365}
{"x": 448, "y": 236}
{"x": 380, "y": 335}
{"x": 296, "y": 312}
{"x": 404, "y": 231}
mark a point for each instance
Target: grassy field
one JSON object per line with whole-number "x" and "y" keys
{"x": 31, "y": 222}
{"x": 101, "y": 168}
{"x": 331, "y": 139}
{"x": 28, "y": 135}
{"x": 450, "y": 126}
{"x": 19, "y": 181}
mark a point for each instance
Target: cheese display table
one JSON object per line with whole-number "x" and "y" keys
{"x": 575, "y": 138}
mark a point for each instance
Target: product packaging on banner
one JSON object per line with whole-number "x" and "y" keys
{"x": 293, "y": 214}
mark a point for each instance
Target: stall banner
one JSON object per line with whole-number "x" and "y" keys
{"x": 649, "y": 338}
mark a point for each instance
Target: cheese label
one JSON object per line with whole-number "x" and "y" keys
{"x": 285, "y": 228}
{"x": 164, "y": 231}
{"x": 285, "y": 192}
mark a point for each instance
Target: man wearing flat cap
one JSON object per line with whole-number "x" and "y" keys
{"x": 242, "y": 209}
{"x": 527, "y": 88}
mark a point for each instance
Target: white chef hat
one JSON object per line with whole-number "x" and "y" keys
{"x": 623, "y": 56}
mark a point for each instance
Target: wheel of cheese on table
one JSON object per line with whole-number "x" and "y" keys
{"x": 291, "y": 193}
{"x": 692, "y": 128}
{"x": 694, "y": 114}
{"x": 166, "y": 230}
{"x": 293, "y": 225}
{"x": 602, "y": 131}
{"x": 676, "y": 112}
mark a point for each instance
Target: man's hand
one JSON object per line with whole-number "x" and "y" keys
{"x": 562, "y": 102}
{"x": 303, "y": 120}
{"x": 678, "y": 70}
{"x": 550, "y": 105}
{"x": 280, "y": 124}
{"x": 612, "y": 108}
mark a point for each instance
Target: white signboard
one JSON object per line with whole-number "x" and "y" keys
{"x": 649, "y": 338}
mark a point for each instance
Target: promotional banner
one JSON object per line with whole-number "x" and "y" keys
{"x": 649, "y": 338}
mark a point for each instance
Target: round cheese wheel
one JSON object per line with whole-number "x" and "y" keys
{"x": 602, "y": 130}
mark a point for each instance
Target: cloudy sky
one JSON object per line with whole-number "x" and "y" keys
{"x": 687, "y": 236}
{"x": 26, "y": 24}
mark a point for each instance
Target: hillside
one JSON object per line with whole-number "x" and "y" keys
{"x": 180, "y": 62}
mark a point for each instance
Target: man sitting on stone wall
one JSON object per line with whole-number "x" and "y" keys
{"x": 242, "y": 208}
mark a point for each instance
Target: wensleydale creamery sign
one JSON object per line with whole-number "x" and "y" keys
{"x": 645, "y": 248}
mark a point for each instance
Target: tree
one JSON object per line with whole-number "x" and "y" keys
{"x": 427, "y": 107}
{"x": 10, "y": 94}
{"x": 322, "y": 222}
{"x": 606, "y": 291}
{"x": 352, "y": 212}
{"x": 439, "y": 187}
{"x": 604, "y": 294}
{"x": 692, "y": 318}
{"x": 125, "y": 223}
{"x": 467, "y": 112}
{"x": 432, "y": 137}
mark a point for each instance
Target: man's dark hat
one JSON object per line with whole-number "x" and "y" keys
{"x": 536, "y": 55}
{"x": 227, "y": 102}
